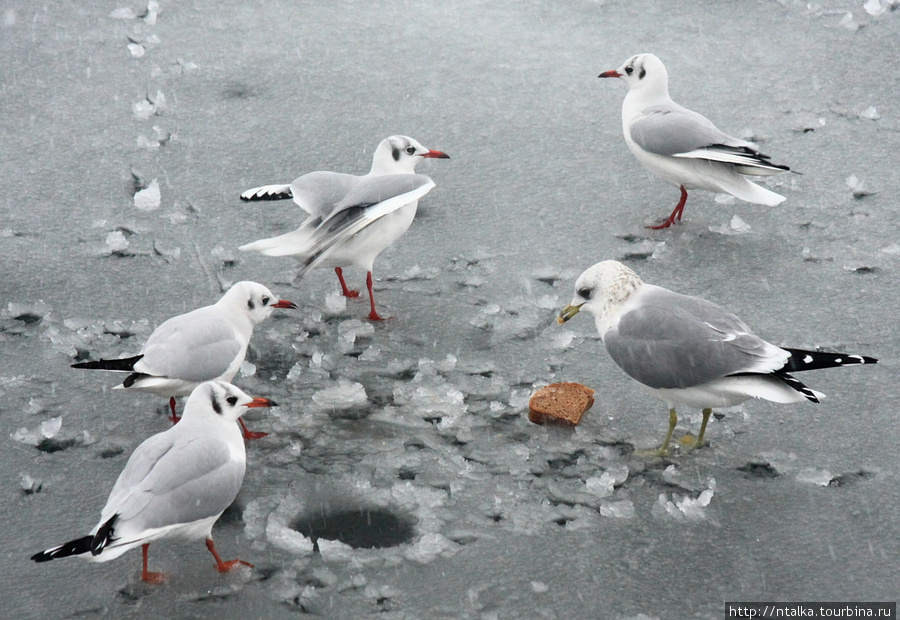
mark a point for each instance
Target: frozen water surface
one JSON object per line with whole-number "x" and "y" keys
{"x": 401, "y": 477}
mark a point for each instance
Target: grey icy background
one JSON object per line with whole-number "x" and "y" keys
{"x": 412, "y": 433}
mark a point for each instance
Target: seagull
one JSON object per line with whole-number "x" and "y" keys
{"x": 175, "y": 484}
{"x": 689, "y": 351}
{"x": 206, "y": 344}
{"x": 351, "y": 218}
{"x": 683, "y": 147}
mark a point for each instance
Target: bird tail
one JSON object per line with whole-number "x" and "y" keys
{"x": 73, "y": 547}
{"x": 267, "y": 192}
{"x": 125, "y": 364}
{"x": 289, "y": 244}
{"x": 813, "y": 360}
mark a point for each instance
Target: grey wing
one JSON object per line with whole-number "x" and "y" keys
{"x": 318, "y": 193}
{"x": 365, "y": 204}
{"x": 677, "y": 341}
{"x": 673, "y": 130}
{"x": 194, "y": 347}
{"x": 188, "y": 481}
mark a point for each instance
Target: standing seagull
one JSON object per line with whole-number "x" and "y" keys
{"x": 689, "y": 351}
{"x": 683, "y": 147}
{"x": 175, "y": 484}
{"x": 351, "y": 218}
{"x": 206, "y": 344}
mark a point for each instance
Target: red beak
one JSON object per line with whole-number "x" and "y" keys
{"x": 436, "y": 155}
{"x": 281, "y": 303}
{"x": 261, "y": 402}
{"x": 612, "y": 73}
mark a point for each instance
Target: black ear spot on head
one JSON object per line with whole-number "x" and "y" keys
{"x": 396, "y": 154}
{"x": 215, "y": 405}
{"x": 250, "y": 304}
{"x": 642, "y": 73}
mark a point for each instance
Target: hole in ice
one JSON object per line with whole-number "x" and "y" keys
{"x": 361, "y": 528}
{"x": 759, "y": 470}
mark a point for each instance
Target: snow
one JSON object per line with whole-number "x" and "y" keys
{"x": 124, "y": 211}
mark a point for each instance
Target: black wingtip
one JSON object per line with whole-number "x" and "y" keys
{"x": 73, "y": 547}
{"x": 124, "y": 364}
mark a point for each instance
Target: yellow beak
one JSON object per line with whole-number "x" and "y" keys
{"x": 567, "y": 313}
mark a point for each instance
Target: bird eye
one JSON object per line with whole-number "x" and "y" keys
{"x": 231, "y": 400}
{"x": 410, "y": 150}
{"x": 629, "y": 70}
{"x": 265, "y": 300}
{"x": 585, "y": 293}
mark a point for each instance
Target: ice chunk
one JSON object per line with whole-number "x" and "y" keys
{"x": 539, "y": 587}
{"x": 335, "y": 303}
{"x": 431, "y": 546}
{"x": 623, "y": 509}
{"x": 343, "y": 395}
{"x": 858, "y": 187}
{"x": 601, "y": 486}
{"x": 283, "y": 537}
{"x": 137, "y": 50}
{"x": 29, "y": 485}
{"x": 810, "y": 475}
{"x": 247, "y": 369}
{"x": 870, "y": 114}
{"x": 142, "y": 110}
{"x": 123, "y": 12}
{"x": 848, "y": 22}
{"x": 148, "y": 199}
{"x": 354, "y": 329}
{"x": 49, "y": 428}
{"x": 116, "y": 242}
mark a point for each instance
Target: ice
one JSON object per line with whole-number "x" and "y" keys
{"x": 623, "y": 509}
{"x": 148, "y": 199}
{"x": 335, "y": 303}
{"x": 342, "y": 395}
{"x": 353, "y": 330}
{"x": 116, "y": 242}
{"x": 685, "y": 508}
{"x": 247, "y": 369}
{"x": 601, "y": 486}
{"x": 539, "y": 587}
{"x": 736, "y": 226}
{"x": 562, "y": 339}
{"x": 137, "y": 50}
{"x": 811, "y": 475}
{"x": 29, "y": 484}
{"x": 429, "y": 547}
{"x": 142, "y": 110}
{"x": 49, "y": 428}
{"x": 870, "y": 114}
{"x": 849, "y": 23}
{"x": 124, "y": 12}
{"x": 858, "y": 187}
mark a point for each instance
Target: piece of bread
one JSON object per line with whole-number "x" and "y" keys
{"x": 560, "y": 403}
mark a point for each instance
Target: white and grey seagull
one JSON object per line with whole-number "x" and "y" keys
{"x": 683, "y": 147}
{"x": 176, "y": 484}
{"x": 689, "y": 351}
{"x": 351, "y": 219}
{"x": 206, "y": 344}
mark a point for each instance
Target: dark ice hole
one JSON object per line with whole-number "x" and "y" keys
{"x": 361, "y": 528}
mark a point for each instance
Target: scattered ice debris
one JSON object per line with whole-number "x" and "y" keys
{"x": 137, "y": 50}
{"x": 736, "y": 226}
{"x": 685, "y": 508}
{"x": 353, "y": 330}
{"x": 142, "y": 110}
{"x": 810, "y": 257}
{"x": 811, "y": 475}
{"x": 49, "y": 428}
{"x": 860, "y": 268}
{"x": 223, "y": 255}
{"x": 148, "y": 199}
{"x": 562, "y": 339}
{"x": 858, "y": 187}
{"x": 429, "y": 547}
{"x": 248, "y": 369}
{"x": 160, "y": 138}
{"x": 27, "y": 313}
{"x": 643, "y": 250}
{"x": 892, "y": 249}
{"x": 30, "y": 485}
{"x": 724, "y": 199}
{"x": 870, "y": 114}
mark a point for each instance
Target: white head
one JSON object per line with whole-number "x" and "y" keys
{"x": 254, "y": 300}
{"x": 220, "y": 399}
{"x": 400, "y": 155}
{"x": 600, "y": 288}
{"x": 643, "y": 72}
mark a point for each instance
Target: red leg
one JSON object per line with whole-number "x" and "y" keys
{"x": 344, "y": 289}
{"x": 174, "y": 417}
{"x": 373, "y": 315}
{"x": 675, "y": 216}
{"x": 223, "y": 567}
{"x": 248, "y": 434}
{"x": 147, "y": 575}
